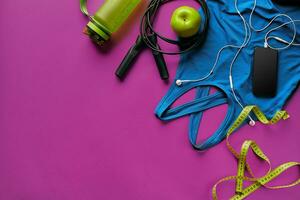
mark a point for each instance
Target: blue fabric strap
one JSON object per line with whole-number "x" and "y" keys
{"x": 215, "y": 138}
{"x": 195, "y": 108}
{"x": 202, "y": 102}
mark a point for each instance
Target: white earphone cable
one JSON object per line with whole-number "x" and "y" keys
{"x": 245, "y": 43}
{"x": 267, "y": 37}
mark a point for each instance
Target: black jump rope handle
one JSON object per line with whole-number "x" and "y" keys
{"x": 130, "y": 57}
{"x": 132, "y": 54}
{"x": 159, "y": 60}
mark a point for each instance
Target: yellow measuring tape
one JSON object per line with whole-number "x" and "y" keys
{"x": 240, "y": 192}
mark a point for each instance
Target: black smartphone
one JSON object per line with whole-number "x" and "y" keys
{"x": 265, "y": 71}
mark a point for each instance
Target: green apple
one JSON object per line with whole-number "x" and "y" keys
{"x": 185, "y": 21}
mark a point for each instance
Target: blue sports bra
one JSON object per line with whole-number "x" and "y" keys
{"x": 226, "y": 27}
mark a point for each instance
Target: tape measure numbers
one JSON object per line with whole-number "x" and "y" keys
{"x": 258, "y": 182}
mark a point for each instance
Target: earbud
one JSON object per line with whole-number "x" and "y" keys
{"x": 252, "y": 123}
{"x": 178, "y": 82}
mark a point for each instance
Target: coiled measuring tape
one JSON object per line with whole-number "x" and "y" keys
{"x": 240, "y": 192}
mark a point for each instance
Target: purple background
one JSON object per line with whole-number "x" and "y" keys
{"x": 69, "y": 130}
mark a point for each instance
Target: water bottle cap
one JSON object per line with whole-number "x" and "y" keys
{"x": 97, "y": 33}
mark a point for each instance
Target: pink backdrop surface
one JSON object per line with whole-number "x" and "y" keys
{"x": 69, "y": 130}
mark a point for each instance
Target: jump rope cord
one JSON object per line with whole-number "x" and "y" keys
{"x": 248, "y": 27}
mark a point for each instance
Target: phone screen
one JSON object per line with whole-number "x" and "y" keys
{"x": 265, "y": 72}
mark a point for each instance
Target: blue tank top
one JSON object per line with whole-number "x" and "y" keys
{"x": 226, "y": 27}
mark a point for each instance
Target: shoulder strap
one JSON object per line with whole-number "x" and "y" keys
{"x": 195, "y": 108}
{"x": 203, "y": 101}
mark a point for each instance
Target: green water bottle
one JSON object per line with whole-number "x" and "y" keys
{"x": 108, "y": 19}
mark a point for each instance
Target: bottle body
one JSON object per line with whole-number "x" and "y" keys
{"x": 113, "y": 13}
{"x": 109, "y": 18}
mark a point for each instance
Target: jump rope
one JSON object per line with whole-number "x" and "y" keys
{"x": 148, "y": 38}
{"x": 248, "y": 27}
